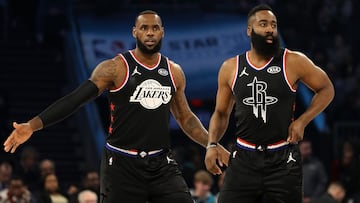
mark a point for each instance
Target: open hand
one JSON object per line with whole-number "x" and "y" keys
{"x": 19, "y": 135}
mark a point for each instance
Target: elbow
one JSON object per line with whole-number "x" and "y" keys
{"x": 221, "y": 114}
{"x": 184, "y": 119}
{"x": 327, "y": 92}
{"x": 331, "y": 92}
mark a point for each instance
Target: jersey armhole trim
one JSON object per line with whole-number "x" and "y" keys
{"x": 236, "y": 74}
{"x": 126, "y": 77}
{"x": 285, "y": 75}
{"x": 171, "y": 74}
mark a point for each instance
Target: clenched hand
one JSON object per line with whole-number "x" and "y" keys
{"x": 216, "y": 155}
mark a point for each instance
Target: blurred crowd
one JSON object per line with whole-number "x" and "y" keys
{"x": 325, "y": 30}
{"x": 30, "y": 179}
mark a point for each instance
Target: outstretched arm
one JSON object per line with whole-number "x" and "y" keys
{"x": 103, "y": 77}
{"x": 220, "y": 118}
{"x": 317, "y": 80}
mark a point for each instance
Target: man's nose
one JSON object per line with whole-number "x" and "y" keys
{"x": 150, "y": 32}
{"x": 269, "y": 29}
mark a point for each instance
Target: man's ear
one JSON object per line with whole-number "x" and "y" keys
{"x": 248, "y": 30}
{"x": 134, "y": 32}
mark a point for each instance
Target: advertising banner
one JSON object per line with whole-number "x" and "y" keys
{"x": 199, "y": 46}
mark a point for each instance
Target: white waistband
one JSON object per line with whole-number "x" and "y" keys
{"x": 133, "y": 151}
{"x": 276, "y": 145}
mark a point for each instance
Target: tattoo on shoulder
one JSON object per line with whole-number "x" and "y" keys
{"x": 108, "y": 69}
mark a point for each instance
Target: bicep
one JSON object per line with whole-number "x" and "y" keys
{"x": 179, "y": 106}
{"x": 313, "y": 76}
{"x": 224, "y": 97}
{"x": 224, "y": 100}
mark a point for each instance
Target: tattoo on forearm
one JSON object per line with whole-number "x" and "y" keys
{"x": 198, "y": 133}
{"x": 191, "y": 124}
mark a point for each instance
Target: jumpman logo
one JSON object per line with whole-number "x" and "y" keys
{"x": 169, "y": 160}
{"x": 290, "y": 158}
{"x": 135, "y": 71}
{"x": 243, "y": 72}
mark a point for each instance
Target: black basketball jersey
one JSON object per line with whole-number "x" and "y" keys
{"x": 140, "y": 108}
{"x": 265, "y": 100}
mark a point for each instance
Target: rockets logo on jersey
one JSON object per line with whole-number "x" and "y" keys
{"x": 259, "y": 99}
{"x": 151, "y": 94}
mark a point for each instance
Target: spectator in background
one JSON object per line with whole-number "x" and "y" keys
{"x": 346, "y": 170}
{"x": 16, "y": 193}
{"x": 202, "y": 183}
{"x": 193, "y": 162}
{"x": 51, "y": 191}
{"x": 47, "y": 167}
{"x": 314, "y": 175}
{"x": 90, "y": 181}
{"x": 335, "y": 194}
{"x": 6, "y": 170}
{"x": 87, "y": 196}
{"x": 29, "y": 168}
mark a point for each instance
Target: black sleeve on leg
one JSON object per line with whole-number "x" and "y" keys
{"x": 67, "y": 105}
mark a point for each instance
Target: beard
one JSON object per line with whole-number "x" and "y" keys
{"x": 146, "y": 50}
{"x": 264, "y": 48}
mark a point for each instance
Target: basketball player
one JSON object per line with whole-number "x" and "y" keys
{"x": 265, "y": 165}
{"x": 144, "y": 86}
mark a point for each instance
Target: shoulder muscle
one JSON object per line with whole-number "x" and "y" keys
{"x": 299, "y": 63}
{"x": 178, "y": 74}
{"x": 227, "y": 71}
{"x": 302, "y": 68}
{"x": 107, "y": 73}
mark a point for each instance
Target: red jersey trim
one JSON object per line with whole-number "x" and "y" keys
{"x": 171, "y": 74}
{"x": 126, "y": 77}
{"x": 236, "y": 73}
{"x": 255, "y": 67}
{"x": 145, "y": 66}
{"x": 285, "y": 75}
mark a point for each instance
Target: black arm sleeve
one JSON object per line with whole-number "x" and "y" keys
{"x": 67, "y": 105}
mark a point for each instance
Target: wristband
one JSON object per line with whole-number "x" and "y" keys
{"x": 212, "y": 145}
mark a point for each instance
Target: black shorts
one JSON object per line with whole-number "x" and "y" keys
{"x": 155, "y": 179}
{"x": 263, "y": 177}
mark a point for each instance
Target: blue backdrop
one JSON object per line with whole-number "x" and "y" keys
{"x": 198, "y": 44}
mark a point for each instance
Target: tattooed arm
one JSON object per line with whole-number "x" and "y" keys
{"x": 107, "y": 74}
{"x": 187, "y": 119}
{"x": 180, "y": 109}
